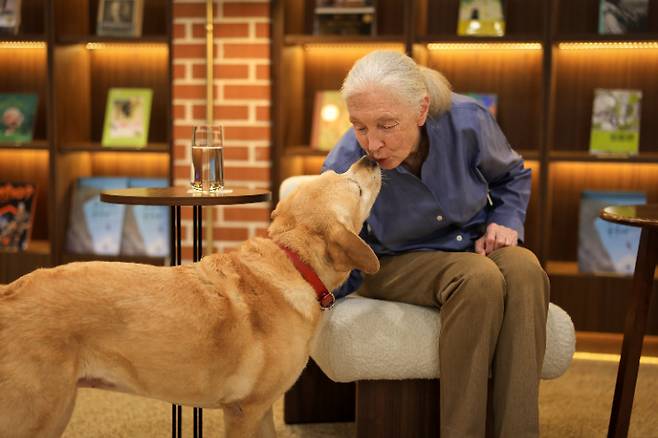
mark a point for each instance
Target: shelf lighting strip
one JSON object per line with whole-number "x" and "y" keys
{"x": 101, "y": 46}
{"x": 484, "y": 46}
{"x": 608, "y": 45}
{"x": 22, "y": 45}
{"x": 337, "y": 46}
{"x": 604, "y": 357}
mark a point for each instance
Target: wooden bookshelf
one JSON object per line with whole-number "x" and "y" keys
{"x": 544, "y": 71}
{"x": 58, "y": 55}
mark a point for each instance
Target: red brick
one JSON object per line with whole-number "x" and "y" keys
{"x": 246, "y": 9}
{"x": 179, "y": 31}
{"x": 189, "y": 10}
{"x": 263, "y": 154}
{"x": 247, "y": 50}
{"x": 180, "y": 153}
{"x": 179, "y": 111}
{"x": 246, "y": 214}
{"x": 183, "y": 132}
{"x": 262, "y": 72}
{"x": 246, "y": 133}
{"x": 187, "y": 51}
{"x": 236, "y": 153}
{"x": 179, "y": 71}
{"x": 263, "y": 113}
{"x": 247, "y": 92}
{"x": 248, "y": 173}
{"x": 189, "y": 92}
{"x": 262, "y": 30}
{"x": 182, "y": 171}
{"x": 222, "y": 71}
{"x": 230, "y": 233}
{"x": 233, "y": 112}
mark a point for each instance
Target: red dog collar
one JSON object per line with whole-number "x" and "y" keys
{"x": 325, "y": 298}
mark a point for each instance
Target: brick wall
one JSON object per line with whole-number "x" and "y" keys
{"x": 241, "y": 104}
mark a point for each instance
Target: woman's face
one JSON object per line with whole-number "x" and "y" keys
{"x": 386, "y": 127}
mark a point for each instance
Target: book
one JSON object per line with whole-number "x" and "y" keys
{"x": 487, "y": 100}
{"x": 10, "y": 16}
{"x": 606, "y": 247}
{"x": 120, "y": 18}
{"x": 17, "y": 205}
{"x": 95, "y": 227}
{"x": 344, "y": 17}
{"x": 127, "y": 117}
{"x": 330, "y": 119}
{"x": 17, "y": 115}
{"x": 615, "y": 122}
{"x": 146, "y": 229}
{"x": 481, "y": 18}
{"x": 623, "y": 16}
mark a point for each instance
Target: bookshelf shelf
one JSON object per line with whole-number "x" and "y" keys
{"x": 583, "y": 156}
{"x": 297, "y": 40}
{"x": 98, "y": 147}
{"x": 32, "y": 145}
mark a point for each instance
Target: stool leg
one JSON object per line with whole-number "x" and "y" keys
{"x": 636, "y": 322}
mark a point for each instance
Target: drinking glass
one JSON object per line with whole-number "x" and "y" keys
{"x": 208, "y": 158}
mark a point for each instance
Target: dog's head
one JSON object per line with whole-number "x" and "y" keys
{"x": 331, "y": 209}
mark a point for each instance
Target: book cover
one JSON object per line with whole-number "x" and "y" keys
{"x": 344, "y": 17}
{"x": 10, "y": 16}
{"x": 615, "y": 122}
{"x": 17, "y": 114}
{"x": 623, "y": 16}
{"x": 146, "y": 228}
{"x": 330, "y": 119}
{"x": 481, "y": 18}
{"x": 606, "y": 247}
{"x": 127, "y": 116}
{"x": 95, "y": 227}
{"x": 487, "y": 100}
{"x": 17, "y": 205}
{"x": 120, "y": 18}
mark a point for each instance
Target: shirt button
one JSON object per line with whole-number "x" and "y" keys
{"x": 439, "y": 218}
{"x": 459, "y": 237}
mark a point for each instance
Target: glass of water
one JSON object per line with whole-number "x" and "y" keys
{"x": 208, "y": 158}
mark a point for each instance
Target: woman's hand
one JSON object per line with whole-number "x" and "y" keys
{"x": 496, "y": 236}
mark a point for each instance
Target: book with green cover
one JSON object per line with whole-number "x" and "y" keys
{"x": 330, "y": 120}
{"x": 17, "y": 114}
{"x": 481, "y": 18}
{"x": 127, "y": 116}
{"x": 615, "y": 122}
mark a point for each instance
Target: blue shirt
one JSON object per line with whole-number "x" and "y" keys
{"x": 470, "y": 178}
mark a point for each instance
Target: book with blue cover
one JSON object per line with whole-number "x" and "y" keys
{"x": 146, "y": 227}
{"x": 95, "y": 227}
{"x": 606, "y": 247}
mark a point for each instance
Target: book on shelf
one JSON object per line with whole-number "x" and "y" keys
{"x": 345, "y": 17}
{"x": 17, "y": 115}
{"x": 615, "y": 122}
{"x": 330, "y": 119}
{"x": 127, "y": 117}
{"x": 10, "y": 16}
{"x": 606, "y": 247}
{"x": 487, "y": 100}
{"x": 146, "y": 227}
{"x": 17, "y": 205}
{"x": 120, "y": 18}
{"x": 481, "y": 18}
{"x": 623, "y": 16}
{"x": 95, "y": 227}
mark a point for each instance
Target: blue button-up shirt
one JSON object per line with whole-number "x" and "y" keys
{"x": 470, "y": 178}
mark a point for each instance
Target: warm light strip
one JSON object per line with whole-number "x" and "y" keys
{"x": 101, "y": 46}
{"x": 334, "y": 46}
{"x": 484, "y": 46}
{"x": 602, "y": 357}
{"x": 22, "y": 45}
{"x": 609, "y": 45}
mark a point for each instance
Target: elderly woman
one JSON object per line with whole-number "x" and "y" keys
{"x": 447, "y": 227}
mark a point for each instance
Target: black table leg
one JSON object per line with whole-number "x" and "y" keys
{"x": 175, "y": 252}
{"x": 197, "y": 252}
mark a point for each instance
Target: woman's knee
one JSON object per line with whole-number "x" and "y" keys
{"x": 484, "y": 282}
{"x": 523, "y": 273}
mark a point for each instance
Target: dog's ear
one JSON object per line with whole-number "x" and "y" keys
{"x": 348, "y": 251}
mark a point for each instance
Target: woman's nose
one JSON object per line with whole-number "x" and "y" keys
{"x": 374, "y": 142}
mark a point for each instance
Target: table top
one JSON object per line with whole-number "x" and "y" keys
{"x": 635, "y": 215}
{"x": 184, "y": 196}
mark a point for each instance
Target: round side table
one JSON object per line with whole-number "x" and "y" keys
{"x": 176, "y": 197}
{"x": 645, "y": 217}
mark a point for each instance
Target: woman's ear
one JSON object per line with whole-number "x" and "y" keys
{"x": 424, "y": 110}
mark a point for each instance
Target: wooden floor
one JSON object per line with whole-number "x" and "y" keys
{"x": 610, "y": 343}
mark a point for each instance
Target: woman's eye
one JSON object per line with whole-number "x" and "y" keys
{"x": 389, "y": 126}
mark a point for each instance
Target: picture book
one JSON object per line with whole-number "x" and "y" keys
{"x": 344, "y": 17}
{"x": 487, "y": 100}
{"x": 95, "y": 227}
{"x": 615, "y": 122}
{"x": 330, "y": 120}
{"x": 623, "y": 16}
{"x": 481, "y": 18}
{"x": 10, "y": 16}
{"x": 127, "y": 117}
{"x": 120, "y": 18}
{"x": 606, "y": 247}
{"x": 146, "y": 227}
{"x": 17, "y": 204}
{"x": 17, "y": 114}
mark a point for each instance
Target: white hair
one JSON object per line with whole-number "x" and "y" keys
{"x": 401, "y": 75}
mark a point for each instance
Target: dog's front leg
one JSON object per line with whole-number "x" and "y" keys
{"x": 249, "y": 421}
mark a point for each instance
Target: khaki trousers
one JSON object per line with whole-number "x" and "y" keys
{"x": 493, "y": 323}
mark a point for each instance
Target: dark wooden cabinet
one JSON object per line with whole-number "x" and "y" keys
{"x": 544, "y": 71}
{"x": 58, "y": 55}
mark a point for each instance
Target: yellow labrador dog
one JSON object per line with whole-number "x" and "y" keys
{"x": 232, "y": 331}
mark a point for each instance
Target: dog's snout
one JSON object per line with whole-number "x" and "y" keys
{"x": 367, "y": 162}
